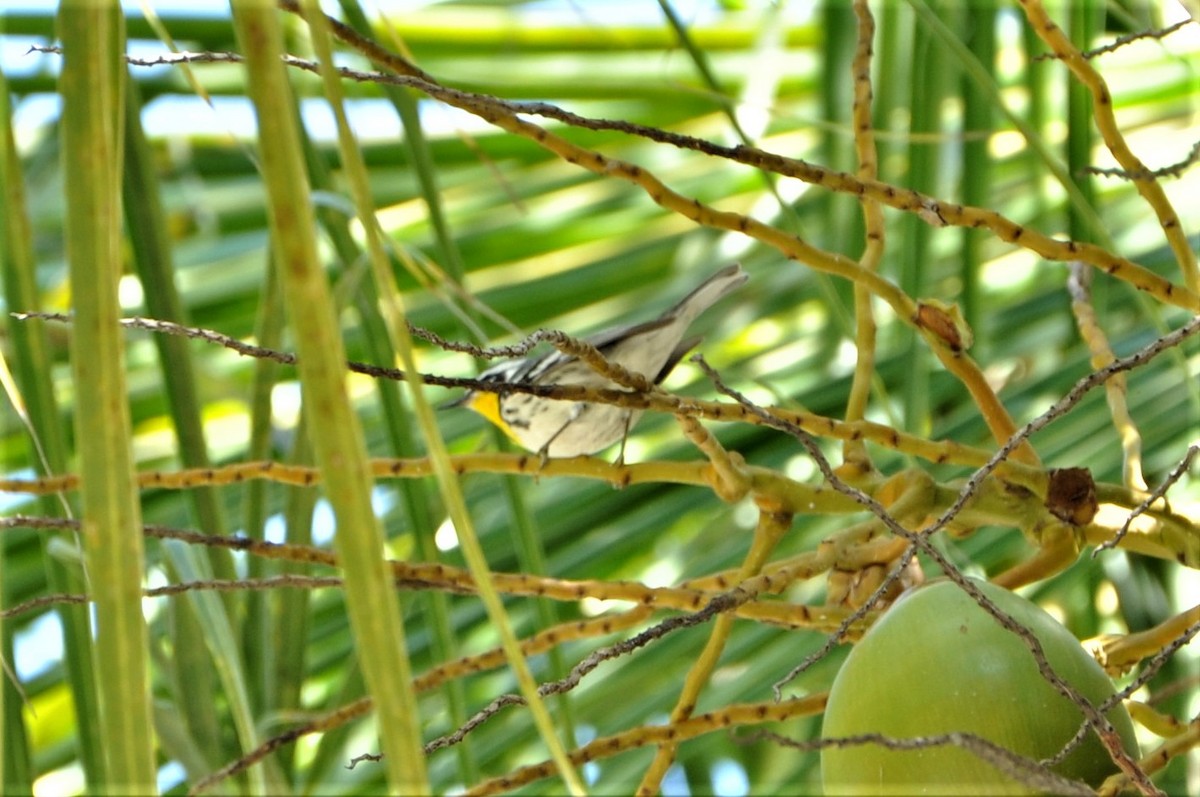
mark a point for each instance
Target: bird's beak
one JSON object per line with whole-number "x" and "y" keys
{"x": 458, "y": 402}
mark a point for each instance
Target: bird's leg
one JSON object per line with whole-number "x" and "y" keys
{"x": 544, "y": 451}
{"x": 624, "y": 437}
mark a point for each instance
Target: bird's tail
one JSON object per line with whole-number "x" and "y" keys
{"x": 708, "y": 293}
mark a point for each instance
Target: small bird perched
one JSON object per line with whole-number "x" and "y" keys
{"x": 555, "y": 428}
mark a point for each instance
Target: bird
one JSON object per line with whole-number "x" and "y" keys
{"x": 555, "y": 428}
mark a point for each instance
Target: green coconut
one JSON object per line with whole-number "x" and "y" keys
{"x": 937, "y": 663}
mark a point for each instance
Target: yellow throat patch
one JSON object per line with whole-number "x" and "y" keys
{"x": 488, "y": 405}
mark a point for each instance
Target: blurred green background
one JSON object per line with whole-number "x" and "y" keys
{"x": 961, "y": 112}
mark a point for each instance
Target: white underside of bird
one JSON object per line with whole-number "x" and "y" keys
{"x": 556, "y": 428}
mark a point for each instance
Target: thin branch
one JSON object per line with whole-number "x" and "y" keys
{"x": 720, "y": 604}
{"x": 1119, "y": 42}
{"x": 1149, "y": 671}
{"x": 1026, "y": 771}
{"x": 1173, "y": 170}
{"x": 1175, "y": 475}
